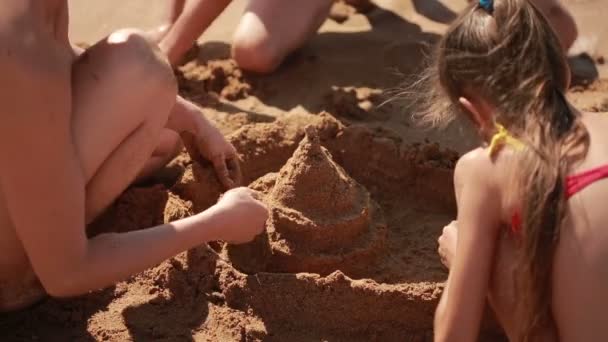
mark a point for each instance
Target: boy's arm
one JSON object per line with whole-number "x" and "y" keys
{"x": 460, "y": 310}
{"x": 44, "y": 188}
{"x": 194, "y": 20}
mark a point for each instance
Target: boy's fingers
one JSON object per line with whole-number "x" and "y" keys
{"x": 192, "y": 147}
{"x": 219, "y": 164}
{"x": 234, "y": 169}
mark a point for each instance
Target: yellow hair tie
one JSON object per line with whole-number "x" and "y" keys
{"x": 501, "y": 138}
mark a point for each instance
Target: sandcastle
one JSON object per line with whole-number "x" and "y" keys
{"x": 321, "y": 219}
{"x": 349, "y": 251}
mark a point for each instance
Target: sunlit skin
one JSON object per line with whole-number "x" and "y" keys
{"x": 268, "y": 31}
{"x": 78, "y": 128}
{"x": 479, "y": 249}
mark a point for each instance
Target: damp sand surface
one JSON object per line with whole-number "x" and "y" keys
{"x": 358, "y": 196}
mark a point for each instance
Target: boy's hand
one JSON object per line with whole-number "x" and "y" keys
{"x": 211, "y": 145}
{"x": 204, "y": 141}
{"x": 245, "y": 216}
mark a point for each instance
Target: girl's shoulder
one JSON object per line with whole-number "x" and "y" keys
{"x": 490, "y": 174}
{"x": 476, "y": 165}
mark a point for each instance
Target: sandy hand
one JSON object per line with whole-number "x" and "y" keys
{"x": 245, "y": 216}
{"x": 447, "y": 243}
{"x": 214, "y": 147}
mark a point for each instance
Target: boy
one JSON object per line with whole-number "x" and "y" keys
{"x": 76, "y": 130}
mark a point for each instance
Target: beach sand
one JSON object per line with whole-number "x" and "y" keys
{"x": 358, "y": 192}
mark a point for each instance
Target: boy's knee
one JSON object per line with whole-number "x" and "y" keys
{"x": 134, "y": 54}
{"x": 255, "y": 54}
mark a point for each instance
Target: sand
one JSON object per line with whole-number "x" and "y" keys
{"x": 358, "y": 195}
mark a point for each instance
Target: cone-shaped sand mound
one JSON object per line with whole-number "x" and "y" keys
{"x": 321, "y": 219}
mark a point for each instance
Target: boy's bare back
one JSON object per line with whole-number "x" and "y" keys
{"x": 36, "y": 50}
{"x": 73, "y": 139}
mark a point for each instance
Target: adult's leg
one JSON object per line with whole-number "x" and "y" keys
{"x": 123, "y": 92}
{"x": 560, "y": 19}
{"x": 272, "y": 29}
{"x": 193, "y": 18}
{"x": 173, "y": 11}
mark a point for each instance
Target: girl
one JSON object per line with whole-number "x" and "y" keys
{"x": 530, "y": 234}
{"x": 76, "y": 131}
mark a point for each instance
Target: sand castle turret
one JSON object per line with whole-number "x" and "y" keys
{"x": 321, "y": 219}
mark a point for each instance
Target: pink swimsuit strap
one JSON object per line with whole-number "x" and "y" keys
{"x": 574, "y": 184}
{"x": 577, "y": 182}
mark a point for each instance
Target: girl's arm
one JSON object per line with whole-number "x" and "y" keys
{"x": 460, "y": 310}
{"x": 193, "y": 21}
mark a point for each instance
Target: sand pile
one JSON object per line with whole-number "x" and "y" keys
{"x": 220, "y": 77}
{"x": 262, "y": 148}
{"x": 349, "y": 252}
{"x": 321, "y": 219}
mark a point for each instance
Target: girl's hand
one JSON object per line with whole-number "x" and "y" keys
{"x": 447, "y": 243}
{"x": 244, "y": 216}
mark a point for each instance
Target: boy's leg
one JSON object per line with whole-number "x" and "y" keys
{"x": 123, "y": 91}
{"x": 169, "y": 146}
{"x": 272, "y": 29}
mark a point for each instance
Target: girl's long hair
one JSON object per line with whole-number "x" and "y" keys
{"x": 511, "y": 57}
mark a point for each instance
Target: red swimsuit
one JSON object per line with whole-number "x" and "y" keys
{"x": 574, "y": 184}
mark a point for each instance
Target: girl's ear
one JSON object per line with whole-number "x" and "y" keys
{"x": 478, "y": 113}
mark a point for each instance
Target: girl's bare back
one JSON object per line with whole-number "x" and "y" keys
{"x": 580, "y": 279}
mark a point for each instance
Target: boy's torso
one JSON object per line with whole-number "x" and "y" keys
{"x": 19, "y": 286}
{"x": 40, "y": 21}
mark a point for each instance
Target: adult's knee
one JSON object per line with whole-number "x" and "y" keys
{"x": 560, "y": 19}
{"x": 257, "y": 54}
